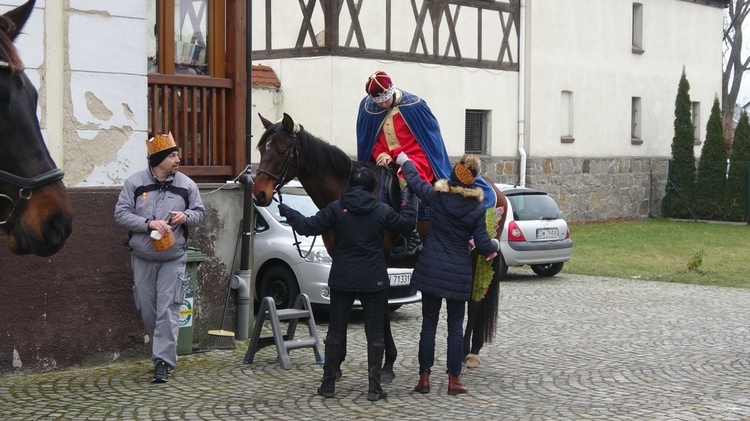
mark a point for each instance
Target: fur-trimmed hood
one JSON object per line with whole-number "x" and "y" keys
{"x": 443, "y": 186}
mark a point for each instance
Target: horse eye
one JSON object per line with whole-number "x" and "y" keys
{"x": 283, "y": 151}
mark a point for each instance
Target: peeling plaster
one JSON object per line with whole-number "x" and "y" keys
{"x": 17, "y": 364}
{"x": 128, "y": 112}
{"x": 83, "y": 155}
{"x": 96, "y": 107}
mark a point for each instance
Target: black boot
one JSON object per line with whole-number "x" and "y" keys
{"x": 407, "y": 245}
{"x": 374, "y": 361}
{"x": 331, "y": 369}
{"x": 386, "y": 373}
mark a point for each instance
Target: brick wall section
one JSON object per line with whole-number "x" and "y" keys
{"x": 591, "y": 189}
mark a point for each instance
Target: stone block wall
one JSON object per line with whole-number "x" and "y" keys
{"x": 591, "y": 189}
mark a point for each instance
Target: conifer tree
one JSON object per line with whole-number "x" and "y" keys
{"x": 682, "y": 171}
{"x": 736, "y": 193}
{"x": 711, "y": 178}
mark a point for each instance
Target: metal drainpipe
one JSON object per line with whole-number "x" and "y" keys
{"x": 522, "y": 95}
{"x": 243, "y": 280}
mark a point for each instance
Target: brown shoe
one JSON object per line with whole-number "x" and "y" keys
{"x": 424, "y": 383}
{"x": 454, "y": 385}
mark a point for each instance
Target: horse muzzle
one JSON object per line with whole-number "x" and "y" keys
{"x": 55, "y": 230}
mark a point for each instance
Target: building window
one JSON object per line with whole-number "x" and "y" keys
{"x": 476, "y": 132}
{"x": 186, "y": 37}
{"x": 635, "y": 121}
{"x": 697, "y": 122}
{"x": 637, "y": 28}
{"x": 566, "y": 117}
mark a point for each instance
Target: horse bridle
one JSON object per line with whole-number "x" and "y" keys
{"x": 281, "y": 179}
{"x": 25, "y": 185}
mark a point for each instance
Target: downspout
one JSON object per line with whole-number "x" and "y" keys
{"x": 242, "y": 281}
{"x": 522, "y": 95}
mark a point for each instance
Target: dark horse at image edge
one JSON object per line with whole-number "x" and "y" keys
{"x": 34, "y": 209}
{"x": 288, "y": 151}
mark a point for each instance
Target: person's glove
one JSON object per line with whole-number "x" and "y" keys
{"x": 401, "y": 158}
{"x": 284, "y": 210}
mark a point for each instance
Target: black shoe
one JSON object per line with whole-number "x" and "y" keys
{"x": 161, "y": 374}
{"x": 374, "y": 396}
{"x": 170, "y": 369}
{"x": 325, "y": 393}
{"x": 406, "y": 245}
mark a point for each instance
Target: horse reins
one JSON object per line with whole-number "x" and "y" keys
{"x": 25, "y": 185}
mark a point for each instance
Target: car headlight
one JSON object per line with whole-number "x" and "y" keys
{"x": 319, "y": 255}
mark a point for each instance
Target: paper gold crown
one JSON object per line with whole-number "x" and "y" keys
{"x": 160, "y": 142}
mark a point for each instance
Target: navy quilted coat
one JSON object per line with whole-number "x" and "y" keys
{"x": 443, "y": 268}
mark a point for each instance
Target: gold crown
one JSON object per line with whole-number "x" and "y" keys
{"x": 160, "y": 142}
{"x": 464, "y": 174}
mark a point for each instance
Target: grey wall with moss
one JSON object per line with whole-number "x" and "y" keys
{"x": 591, "y": 189}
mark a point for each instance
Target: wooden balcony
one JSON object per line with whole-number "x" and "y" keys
{"x": 194, "y": 109}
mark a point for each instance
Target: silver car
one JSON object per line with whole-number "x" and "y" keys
{"x": 535, "y": 232}
{"x": 282, "y": 269}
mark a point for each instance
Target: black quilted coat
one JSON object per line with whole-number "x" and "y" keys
{"x": 359, "y": 223}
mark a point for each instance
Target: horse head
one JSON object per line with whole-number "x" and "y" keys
{"x": 34, "y": 207}
{"x": 279, "y": 158}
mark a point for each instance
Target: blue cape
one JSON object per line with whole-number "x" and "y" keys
{"x": 426, "y": 130}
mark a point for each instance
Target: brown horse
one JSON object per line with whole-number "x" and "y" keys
{"x": 288, "y": 151}
{"x": 34, "y": 209}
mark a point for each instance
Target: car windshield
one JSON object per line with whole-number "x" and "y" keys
{"x": 527, "y": 207}
{"x": 298, "y": 202}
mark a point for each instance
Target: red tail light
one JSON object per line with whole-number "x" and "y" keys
{"x": 567, "y": 234}
{"x": 514, "y": 233}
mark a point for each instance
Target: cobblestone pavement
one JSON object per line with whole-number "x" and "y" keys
{"x": 569, "y": 347}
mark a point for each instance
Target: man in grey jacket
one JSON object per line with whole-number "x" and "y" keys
{"x": 157, "y": 206}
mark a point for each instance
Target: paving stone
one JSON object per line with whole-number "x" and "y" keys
{"x": 569, "y": 347}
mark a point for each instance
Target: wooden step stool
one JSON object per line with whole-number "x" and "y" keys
{"x": 284, "y": 343}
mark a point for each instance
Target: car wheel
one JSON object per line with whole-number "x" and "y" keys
{"x": 548, "y": 269}
{"x": 279, "y": 283}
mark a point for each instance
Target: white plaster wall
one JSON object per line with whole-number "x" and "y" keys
{"x": 585, "y": 47}
{"x": 108, "y": 91}
{"x": 323, "y": 94}
{"x": 93, "y": 116}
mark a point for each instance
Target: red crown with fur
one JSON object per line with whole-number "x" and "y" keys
{"x": 379, "y": 86}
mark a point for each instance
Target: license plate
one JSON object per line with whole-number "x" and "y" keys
{"x": 545, "y": 233}
{"x": 400, "y": 279}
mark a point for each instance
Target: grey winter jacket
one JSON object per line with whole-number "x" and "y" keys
{"x": 443, "y": 267}
{"x": 144, "y": 198}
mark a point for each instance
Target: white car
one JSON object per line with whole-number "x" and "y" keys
{"x": 282, "y": 270}
{"x": 535, "y": 232}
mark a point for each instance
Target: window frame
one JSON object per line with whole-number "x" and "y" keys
{"x": 216, "y": 38}
{"x": 482, "y": 126}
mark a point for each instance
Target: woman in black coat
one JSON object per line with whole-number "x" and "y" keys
{"x": 443, "y": 269}
{"x": 358, "y": 270}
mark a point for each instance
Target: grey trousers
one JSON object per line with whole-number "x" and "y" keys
{"x": 159, "y": 291}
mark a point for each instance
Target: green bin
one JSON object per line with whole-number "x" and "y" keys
{"x": 187, "y": 311}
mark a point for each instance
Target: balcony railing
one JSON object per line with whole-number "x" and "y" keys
{"x": 194, "y": 109}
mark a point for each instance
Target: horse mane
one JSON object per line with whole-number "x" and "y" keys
{"x": 8, "y": 51}
{"x": 320, "y": 156}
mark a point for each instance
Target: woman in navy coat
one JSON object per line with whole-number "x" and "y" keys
{"x": 443, "y": 269}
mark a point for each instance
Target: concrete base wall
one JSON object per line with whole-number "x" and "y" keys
{"x": 76, "y": 307}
